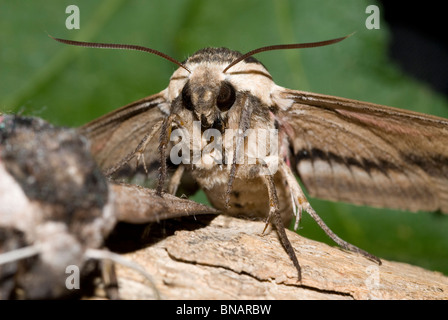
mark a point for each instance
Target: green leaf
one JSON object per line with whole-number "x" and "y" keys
{"x": 70, "y": 86}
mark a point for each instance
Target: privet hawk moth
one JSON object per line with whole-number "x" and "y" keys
{"x": 341, "y": 149}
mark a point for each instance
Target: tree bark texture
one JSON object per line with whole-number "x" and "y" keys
{"x": 229, "y": 258}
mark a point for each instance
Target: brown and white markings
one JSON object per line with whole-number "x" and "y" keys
{"x": 57, "y": 208}
{"x": 341, "y": 149}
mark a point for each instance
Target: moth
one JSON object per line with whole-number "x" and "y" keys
{"x": 341, "y": 149}
{"x": 57, "y": 208}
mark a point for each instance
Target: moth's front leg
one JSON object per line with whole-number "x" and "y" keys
{"x": 110, "y": 280}
{"x": 137, "y": 153}
{"x": 163, "y": 143}
{"x": 175, "y": 180}
{"x": 276, "y": 218}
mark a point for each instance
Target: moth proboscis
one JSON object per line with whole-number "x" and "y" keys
{"x": 341, "y": 149}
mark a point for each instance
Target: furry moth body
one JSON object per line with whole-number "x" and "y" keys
{"x": 341, "y": 149}
{"x": 57, "y": 209}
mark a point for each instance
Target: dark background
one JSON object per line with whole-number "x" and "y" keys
{"x": 419, "y": 43}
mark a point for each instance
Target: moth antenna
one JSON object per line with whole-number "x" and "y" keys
{"x": 120, "y": 46}
{"x": 19, "y": 254}
{"x": 107, "y": 255}
{"x": 286, "y": 46}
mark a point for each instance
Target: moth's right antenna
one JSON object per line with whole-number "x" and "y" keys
{"x": 120, "y": 46}
{"x": 286, "y": 46}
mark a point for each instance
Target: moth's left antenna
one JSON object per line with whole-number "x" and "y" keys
{"x": 18, "y": 254}
{"x": 119, "y": 46}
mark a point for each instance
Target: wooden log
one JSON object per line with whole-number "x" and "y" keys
{"x": 230, "y": 259}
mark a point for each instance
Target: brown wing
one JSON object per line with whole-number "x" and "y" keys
{"x": 134, "y": 204}
{"x": 117, "y": 134}
{"x": 362, "y": 153}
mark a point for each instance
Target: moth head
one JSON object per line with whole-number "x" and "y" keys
{"x": 206, "y": 91}
{"x": 209, "y": 92}
{"x": 208, "y": 101}
{"x": 209, "y": 81}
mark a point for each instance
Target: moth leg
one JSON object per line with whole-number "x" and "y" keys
{"x": 110, "y": 279}
{"x": 234, "y": 167}
{"x": 139, "y": 152}
{"x": 163, "y": 142}
{"x": 175, "y": 180}
{"x": 303, "y": 203}
{"x": 297, "y": 210}
{"x": 98, "y": 254}
{"x": 243, "y": 126}
{"x": 141, "y": 156}
{"x": 274, "y": 215}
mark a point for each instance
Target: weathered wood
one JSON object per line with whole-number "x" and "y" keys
{"x": 230, "y": 259}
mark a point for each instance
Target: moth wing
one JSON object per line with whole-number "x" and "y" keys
{"x": 117, "y": 134}
{"x": 134, "y": 204}
{"x": 367, "y": 154}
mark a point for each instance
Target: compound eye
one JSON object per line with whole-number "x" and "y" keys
{"x": 226, "y": 97}
{"x": 186, "y": 97}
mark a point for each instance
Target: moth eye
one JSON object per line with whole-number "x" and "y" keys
{"x": 226, "y": 97}
{"x": 186, "y": 97}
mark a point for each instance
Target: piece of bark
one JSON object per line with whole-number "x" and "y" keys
{"x": 231, "y": 259}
